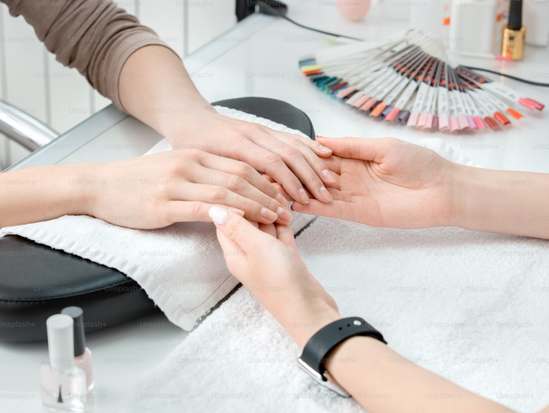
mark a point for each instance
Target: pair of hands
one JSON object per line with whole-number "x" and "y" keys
{"x": 378, "y": 182}
{"x": 214, "y": 163}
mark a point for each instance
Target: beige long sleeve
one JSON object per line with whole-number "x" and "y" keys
{"x": 94, "y": 36}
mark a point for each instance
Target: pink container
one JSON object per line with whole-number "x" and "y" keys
{"x": 353, "y": 10}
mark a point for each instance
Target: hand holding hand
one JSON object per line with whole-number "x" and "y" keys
{"x": 288, "y": 159}
{"x": 265, "y": 259}
{"x": 387, "y": 183}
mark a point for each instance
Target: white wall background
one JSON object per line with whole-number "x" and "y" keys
{"x": 32, "y": 80}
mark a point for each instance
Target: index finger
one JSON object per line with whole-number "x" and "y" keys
{"x": 360, "y": 148}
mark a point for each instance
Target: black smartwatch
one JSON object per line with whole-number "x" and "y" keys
{"x": 325, "y": 340}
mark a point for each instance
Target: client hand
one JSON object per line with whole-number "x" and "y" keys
{"x": 387, "y": 183}
{"x": 157, "y": 190}
{"x": 266, "y": 261}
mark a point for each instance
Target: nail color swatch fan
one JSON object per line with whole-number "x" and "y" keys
{"x": 409, "y": 80}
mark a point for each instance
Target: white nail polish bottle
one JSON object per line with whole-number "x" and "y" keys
{"x": 63, "y": 384}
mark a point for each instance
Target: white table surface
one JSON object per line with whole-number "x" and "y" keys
{"x": 265, "y": 64}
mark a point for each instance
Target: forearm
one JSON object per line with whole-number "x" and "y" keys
{"x": 383, "y": 381}
{"x": 43, "y": 193}
{"x": 506, "y": 202}
{"x": 156, "y": 89}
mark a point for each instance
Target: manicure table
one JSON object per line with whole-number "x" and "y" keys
{"x": 258, "y": 57}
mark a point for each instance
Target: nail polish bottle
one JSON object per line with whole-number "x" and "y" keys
{"x": 514, "y": 33}
{"x": 63, "y": 385}
{"x": 82, "y": 354}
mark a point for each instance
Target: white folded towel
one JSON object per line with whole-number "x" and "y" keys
{"x": 470, "y": 306}
{"x": 180, "y": 267}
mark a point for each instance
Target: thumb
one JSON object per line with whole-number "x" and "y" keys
{"x": 237, "y": 229}
{"x": 360, "y": 148}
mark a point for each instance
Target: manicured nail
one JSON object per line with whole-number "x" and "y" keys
{"x": 284, "y": 214}
{"x": 218, "y": 215}
{"x": 268, "y": 214}
{"x": 303, "y": 196}
{"x": 326, "y": 194}
{"x": 324, "y": 149}
{"x": 327, "y": 176}
{"x": 322, "y": 137}
{"x": 282, "y": 200}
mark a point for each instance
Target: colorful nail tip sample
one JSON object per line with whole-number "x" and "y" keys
{"x": 402, "y": 81}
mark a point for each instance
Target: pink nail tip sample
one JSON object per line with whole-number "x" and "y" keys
{"x": 472, "y": 123}
{"x": 346, "y": 92}
{"x": 480, "y": 123}
{"x": 421, "y": 121}
{"x": 363, "y": 99}
{"x": 413, "y": 119}
{"x": 463, "y": 122}
{"x": 428, "y": 121}
{"x": 354, "y": 98}
{"x": 454, "y": 124}
{"x": 444, "y": 121}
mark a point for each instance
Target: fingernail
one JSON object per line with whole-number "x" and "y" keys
{"x": 292, "y": 207}
{"x": 268, "y": 214}
{"x": 303, "y": 196}
{"x": 284, "y": 214}
{"x": 324, "y": 149}
{"x": 322, "y": 137}
{"x": 281, "y": 199}
{"x": 325, "y": 194}
{"x": 327, "y": 176}
{"x": 236, "y": 211}
{"x": 218, "y": 215}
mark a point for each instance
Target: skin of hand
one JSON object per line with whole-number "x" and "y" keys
{"x": 391, "y": 183}
{"x": 386, "y": 183}
{"x": 265, "y": 259}
{"x": 148, "y": 192}
{"x": 176, "y": 186}
{"x": 155, "y": 88}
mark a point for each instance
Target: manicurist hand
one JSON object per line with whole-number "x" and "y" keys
{"x": 265, "y": 259}
{"x": 391, "y": 183}
{"x": 289, "y": 159}
{"x": 155, "y": 88}
{"x": 386, "y": 183}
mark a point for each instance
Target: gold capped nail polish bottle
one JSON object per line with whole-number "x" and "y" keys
{"x": 514, "y": 33}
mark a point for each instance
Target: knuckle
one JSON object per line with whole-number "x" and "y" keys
{"x": 234, "y": 183}
{"x": 219, "y": 193}
{"x": 194, "y": 209}
{"x": 273, "y": 160}
{"x": 290, "y": 151}
{"x": 231, "y": 228}
{"x": 249, "y": 128}
{"x": 195, "y": 154}
{"x": 176, "y": 168}
{"x": 244, "y": 170}
{"x": 313, "y": 177}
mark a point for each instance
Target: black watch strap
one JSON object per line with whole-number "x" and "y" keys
{"x": 327, "y": 338}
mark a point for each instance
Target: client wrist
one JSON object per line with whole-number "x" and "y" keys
{"x": 303, "y": 322}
